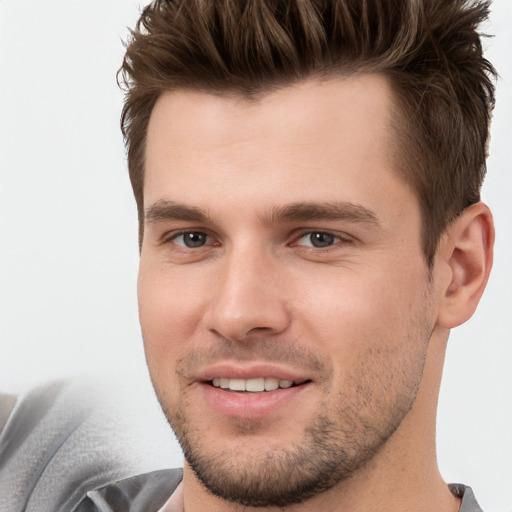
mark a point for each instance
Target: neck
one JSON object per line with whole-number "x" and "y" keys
{"x": 381, "y": 487}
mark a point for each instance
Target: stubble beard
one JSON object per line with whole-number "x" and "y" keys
{"x": 280, "y": 478}
{"x": 334, "y": 446}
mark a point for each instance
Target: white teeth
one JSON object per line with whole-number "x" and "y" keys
{"x": 271, "y": 384}
{"x": 237, "y": 384}
{"x": 256, "y": 385}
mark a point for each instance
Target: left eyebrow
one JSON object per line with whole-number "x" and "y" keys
{"x": 346, "y": 211}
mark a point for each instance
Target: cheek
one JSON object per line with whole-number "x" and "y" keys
{"x": 168, "y": 315}
{"x": 376, "y": 340}
{"x": 352, "y": 313}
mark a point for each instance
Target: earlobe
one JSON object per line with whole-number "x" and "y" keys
{"x": 468, "y": 253}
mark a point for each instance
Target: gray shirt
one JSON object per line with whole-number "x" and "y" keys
{"x": 150, "y": 493}
{"x": 60, "y": 452}
{"x": 61, "y": 440}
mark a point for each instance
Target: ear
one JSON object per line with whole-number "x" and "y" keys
{"x": 466, "y": 252}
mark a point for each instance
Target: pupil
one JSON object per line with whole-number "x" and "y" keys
{"x": 321, "y": 239}
{"x": 194, "y": 239}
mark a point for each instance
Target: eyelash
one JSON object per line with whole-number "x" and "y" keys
{"x": 338, "y": 238}
{"x": 172, "y": 238}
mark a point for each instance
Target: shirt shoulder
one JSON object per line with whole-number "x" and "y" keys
{"x": 142, "y": 493}
{"x": 150, "y": 491}
{"x": 468, "y": 500}
{"x": 60, "y": 440}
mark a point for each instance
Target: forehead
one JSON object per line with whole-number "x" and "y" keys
{"x": 329, "y": 138}
{"x": 310, "y": 112}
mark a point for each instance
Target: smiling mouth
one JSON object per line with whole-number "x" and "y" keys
{"x": 256, "y": 385}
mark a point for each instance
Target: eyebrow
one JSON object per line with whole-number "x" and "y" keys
{"x": 346, "y": 211}
{"x": 169, "y": 210}
{"x": 294, "y": 212}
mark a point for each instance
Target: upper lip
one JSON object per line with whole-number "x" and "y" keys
{"x": 234, "y": 370}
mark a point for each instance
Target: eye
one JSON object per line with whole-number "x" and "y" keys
{"x": 191, "y": 239}
{"x": 318, "y": 239}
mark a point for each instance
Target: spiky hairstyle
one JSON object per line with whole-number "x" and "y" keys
{"x": 430, "y": 50}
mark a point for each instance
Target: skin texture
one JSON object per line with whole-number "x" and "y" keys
{"x": 301, "y": 259}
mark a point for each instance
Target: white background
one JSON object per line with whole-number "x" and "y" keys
{"x": 68, "y": 247}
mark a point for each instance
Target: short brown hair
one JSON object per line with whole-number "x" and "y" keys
{"x": 429, "y": 49}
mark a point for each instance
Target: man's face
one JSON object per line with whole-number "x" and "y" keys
{"x": 281, "y": 257}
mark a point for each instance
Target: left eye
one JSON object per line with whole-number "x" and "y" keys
{"x": 191, "y": 239}
{"x": 318, "y": 239}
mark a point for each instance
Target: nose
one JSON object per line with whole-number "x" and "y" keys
{"x": 249, "y": 298}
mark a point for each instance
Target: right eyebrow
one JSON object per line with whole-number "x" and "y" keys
{"x": 169, "y": 210}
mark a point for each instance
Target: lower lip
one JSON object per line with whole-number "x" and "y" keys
{"x": 248, "y": 405}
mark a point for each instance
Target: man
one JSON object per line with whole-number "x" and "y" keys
{"x": 307, "y": 176}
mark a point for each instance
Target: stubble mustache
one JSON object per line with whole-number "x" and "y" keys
{"x": 260, "y": 349}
